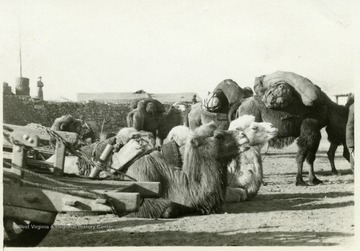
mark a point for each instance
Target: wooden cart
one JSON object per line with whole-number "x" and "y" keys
{"x": 35, "y": 191}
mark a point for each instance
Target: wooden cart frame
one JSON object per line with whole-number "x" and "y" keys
{"x": 32, "y": 198}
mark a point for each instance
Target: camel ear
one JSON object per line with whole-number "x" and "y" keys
{"x": 194, "y": 142}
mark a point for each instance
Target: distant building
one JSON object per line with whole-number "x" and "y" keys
{"x": 7, "y": 89}
{"x": 129, "y": 97}
{"x": 22, "y": 86}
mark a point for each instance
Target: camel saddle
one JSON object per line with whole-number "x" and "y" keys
{"x": 138, "y": 146}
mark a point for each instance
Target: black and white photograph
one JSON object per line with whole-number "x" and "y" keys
{"x": 179, "y": 123}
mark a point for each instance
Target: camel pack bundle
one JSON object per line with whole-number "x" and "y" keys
{"x": 140, "y": 143}
{"x": 225, "y": 94}
{"x": 278, "y": 89}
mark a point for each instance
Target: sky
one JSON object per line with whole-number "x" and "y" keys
{"x": 174, "y": 46}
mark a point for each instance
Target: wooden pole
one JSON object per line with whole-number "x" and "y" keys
{"x": 20, "y": 48}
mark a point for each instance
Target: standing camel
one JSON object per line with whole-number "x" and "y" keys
{"x": 297, "y": 120}
{"x": 217, "y": 105}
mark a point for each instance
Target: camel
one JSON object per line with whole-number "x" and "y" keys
{"x": 150, "y": 115}
{"x": 147, "y": 116}
{"x": 176, "y": 115}
{"x": 68, "y": 123}
{"x": 279, "y": 89}
{"x": 198, "y": 187}
{"x": 179, "y": 135}
{"x": 338, "y": 124}
{"x": 298, "y": 120}
{"x": 218, "y": 104}
{"x": 245, "y": 172}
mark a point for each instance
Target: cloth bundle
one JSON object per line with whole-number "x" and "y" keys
{"x": 274, "y": 84}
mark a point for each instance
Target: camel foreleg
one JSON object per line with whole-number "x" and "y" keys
{"x": 235, "y": 194}
{"x": 300, "y": 158}
{"x": 308, "y": 144}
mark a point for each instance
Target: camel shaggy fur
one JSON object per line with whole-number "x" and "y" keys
{"x": 147, "y": 116}
{"x": 292, "y": 122}
{"x": 150, "y": 115}
{"x": 176, "y": 115}
{"x": 245, "y": 172}
{"x": 199, "y": 185}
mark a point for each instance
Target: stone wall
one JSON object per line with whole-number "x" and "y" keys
{"x": 22, "y": 110}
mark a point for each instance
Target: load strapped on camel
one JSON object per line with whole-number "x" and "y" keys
{"x": 225, "y": 94}
{"x": 280, "y": 88}
{"x": 216, "y": 107}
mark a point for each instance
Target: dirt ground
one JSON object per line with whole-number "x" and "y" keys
{"x": 281, "y": 215}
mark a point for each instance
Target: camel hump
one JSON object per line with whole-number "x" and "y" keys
{"x": 309, "y": 93}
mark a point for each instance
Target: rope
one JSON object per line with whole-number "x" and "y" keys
{"x": 207, "y": 101}
{"x": 267, "y": 149}
{"x": 93, "y": 152}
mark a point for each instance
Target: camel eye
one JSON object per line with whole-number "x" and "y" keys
{"x": 254, "y": 128}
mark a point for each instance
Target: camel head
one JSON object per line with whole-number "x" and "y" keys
{"x": 217, "y": 143}
{"x": 151, "y": 106}
{"x": 258, "y": 133}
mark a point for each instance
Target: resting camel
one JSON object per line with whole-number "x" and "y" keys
{"x": 245, "y": 171}
{"x": 199, "y": 186}
{"x": 67, "y": 123}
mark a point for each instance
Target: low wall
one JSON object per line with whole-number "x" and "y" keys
{"x": 22, "y": 110}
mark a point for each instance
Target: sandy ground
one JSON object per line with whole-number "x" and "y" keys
{"x": 281, "y": 215}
